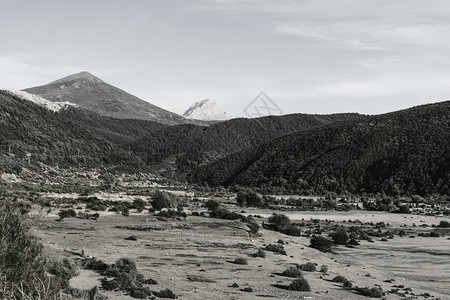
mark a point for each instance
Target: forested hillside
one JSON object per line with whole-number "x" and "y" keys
{"x": 31, "y": 135}
{"x": 193, "y": 145}
{"x": 118, "y": 131}
{"x": 405, "y": 152}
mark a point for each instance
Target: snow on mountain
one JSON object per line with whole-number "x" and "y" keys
{"x": 206, "y": 110}
{"x": 53, "y": 106}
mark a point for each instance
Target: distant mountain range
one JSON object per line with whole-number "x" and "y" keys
{"x": 206, "y": 110}
{"x": 92, "y": 93}
{"x": 404, "y": 152}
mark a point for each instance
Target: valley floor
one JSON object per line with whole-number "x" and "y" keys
{"x": 194, "y": 257}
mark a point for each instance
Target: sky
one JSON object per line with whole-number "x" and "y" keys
{"x": 307, "y": 56}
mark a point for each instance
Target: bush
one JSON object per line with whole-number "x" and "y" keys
{"x": 240, "y": 261}
{"x": 67, "y": 213}
{"x": 347, "y": 285}
{"x": 24, "y": 268}
{"x": 277, "y": 248}
{"x": 162, "y": 200}
{"x": 94, "y": 264}
{"x": 444, "y": 224}
{"x": 249, "y": 199}
{"x": 279, "y": 221}
{"x": 321, "y": 243}
{"x": 339, "y": 278}
{"x": 165, "y": 294}
{"x": 139, "y": 204}
{"x": 212, "y": 205}
{"x": 62, "y": 271}
{"x": 374, "y": 292}
{"x": 259, "y": 253}
{"x": 96, "y": 205}
{"x": 324, "y": 269}
{"x": 292, "y": 272}
{"x": 125, "y": 277}
{"x": 292, "y": 231}
{"x": 308, "y": 267}
{"x": 340, "y": 236}
{"x": 300, "y": 284}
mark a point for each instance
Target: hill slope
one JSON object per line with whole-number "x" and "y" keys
{"x": 397, "y": 153}
{"x": 191, "y": 145}
{"x": 90, "y": 92}
{"x": 32, "y": 135}
{"x": 118, "y": 131}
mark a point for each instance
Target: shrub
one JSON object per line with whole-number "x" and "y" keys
{"x": 162, "y": 200}
{"x": 347, "y": 285}
{"x": 249, "y": 199}
{"x": 165, "y": 294}
{"x": 94, "y": 264}
{"x": 247, "y": 289}
{"x": 67, "y": 213}
{"x": 324, "y": 269}
{"x": 212, "y": 205}
{"x": 62, "y": 271}
{"x": 321, "y": 243}
{"x": 292, "y": 272}
{"x": 300, "y": 284}
{"x": 353, "y": 242}
{"x": 252, "y": 224}
{"x": 444, "y": 224}
{"x": 277, "y": 248}
{"x": 259, "y": 253}
{"x": 96, "y": 205}
{"x": 292, "y": 230}
{"x": 23, "y": 265}
{"x": 308, "y": 267}
{"x": 375, "y": 292}
{"x": 280, "y": 221}
{"x": 339, "y": 278}
{"x": 340, "y": 236}
{"x": 139, "y": 204}
{"x": 125, "y": 277}
{"x": 240, "y": 261}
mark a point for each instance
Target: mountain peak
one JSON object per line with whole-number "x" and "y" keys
{"x": 206, "y": 110}
{"x": 83, "y": 76}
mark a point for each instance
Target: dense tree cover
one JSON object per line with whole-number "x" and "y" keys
{"x": 31, "y": 135}
{"x": 118, "y": 131}
{"x": 194, "y": 145}
{"x": 405, "y": 152}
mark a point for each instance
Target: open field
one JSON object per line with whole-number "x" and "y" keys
{"x": 194, "y": 258}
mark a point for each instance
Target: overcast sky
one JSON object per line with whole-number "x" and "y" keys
{"x": 309, "y": 56}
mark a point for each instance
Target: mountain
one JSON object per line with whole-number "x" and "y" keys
{"x": 92, "y": 93}
{"x": 182, "y": 148}
{"x": 404, "y": 152}
{"x": 32, "y": 135}
{"x": 206, "y": 110}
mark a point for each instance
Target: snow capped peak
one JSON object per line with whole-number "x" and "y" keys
{"x": 206, "y": 110}
{"x": 53, "y": 106}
